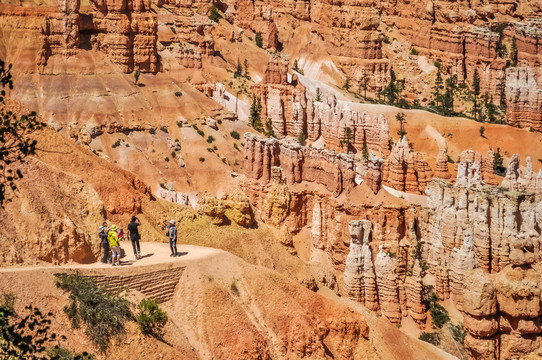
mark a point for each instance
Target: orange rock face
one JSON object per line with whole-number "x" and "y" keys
{"x": 334, "y": 171}
{"x": 481, "y": 164}
{"x": 405, "y": 170}
{"x": 293, "y": 109}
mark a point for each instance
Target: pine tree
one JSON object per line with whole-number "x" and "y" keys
{"x": 475, "y": 94}
{"x": 295, "y": 68}
{"x": 363, "y": 81}
{"x": 259, "y": 40}
{"x": 401, "y": 118}
{"x": 318, "y": 95}
{"x": 137, "y": 73}
{"x": 501, "y": 86}
{"x": 514, "y": 52}
{"x": 365, "y": 151}
{"x": 255, "y": 111}
{"x": 238, "y": 70}
{"x": 246, "y": 67}
{"x": 347, "y": 84}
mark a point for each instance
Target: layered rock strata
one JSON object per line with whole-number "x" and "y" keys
{"x": 515, "y": 180}
{"x": 125, "y": 30}
{"x": 293, "y": 109}
{"x": 336, "y": 172}
{"x": 483, "y": 164}
{"x": 406, "y": 170}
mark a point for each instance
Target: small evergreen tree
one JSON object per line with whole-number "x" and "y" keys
{"x": 246, "y": 67}
{"x": 318, "y": 95}
{"x": 482, "y": 131}
{"x": 295, "y": 68}
{"x": 514, "y": 52}
{"x": 137, "y": 73}
{"x": 238, "y": 69}
{"x": 365, "y": 151}
{"x": 301, "y": 138}
{"x": 259, "y": 39}
{"x": 214, "y": 15}
{"x": 347, "y": 84}
{"x": 255, "y": 111}
{"x": 498, "y": 167}
{"x": 501, "y": 86}
{"x": 269, "y": 128}
{"x": 475, "y": 94}
{"x": 401, "y": 118}
{"x": 363, "y": 81}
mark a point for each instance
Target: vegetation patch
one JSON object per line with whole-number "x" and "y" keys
{"x": 103, "y": 312}
{"x": 150, "y": 318}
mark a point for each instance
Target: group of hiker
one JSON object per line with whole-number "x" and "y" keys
{"x": 112, "y": 236}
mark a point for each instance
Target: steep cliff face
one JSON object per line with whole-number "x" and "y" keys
{"x": 293, "y": 109}
{"x": 406, "y": 170}
{"x": 126, "y": 31}
{"x": 334, "y": 171}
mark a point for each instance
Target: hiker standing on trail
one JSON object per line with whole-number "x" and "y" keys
{"x": 105, "y": 243}
{"x": 113, "y": 238}
{"x": 172, "y": 234}
{"x": 133, "y": 233}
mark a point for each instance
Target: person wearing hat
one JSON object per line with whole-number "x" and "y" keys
{"x": 105, "y": 243}
{"x": 172, "y": 234}
{"x": 114, "y": 243}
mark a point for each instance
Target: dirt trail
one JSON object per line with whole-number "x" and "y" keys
{"x": 153, "y": 254}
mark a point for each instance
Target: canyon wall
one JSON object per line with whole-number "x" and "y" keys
{"x": 293, "y": 109}
{"x": 388, "y": 256}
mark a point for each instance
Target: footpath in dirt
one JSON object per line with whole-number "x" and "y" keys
{"x": 152, "y": 253}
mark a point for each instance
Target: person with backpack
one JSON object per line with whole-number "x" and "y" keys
{"x": 134, "y": 236}
{"x": 172, "y": 234}
{"x": 105, "y": 243}
{"x": 114, "y": 243}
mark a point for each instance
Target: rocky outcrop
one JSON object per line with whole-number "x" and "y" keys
{"x": 359, "y": 273}
{"x": 334, "y": 171}
{"x": 441, "y": 165}
{"x": 293, "y": 109}
{"x": 514, "y": 181}
{"x": 474, "y": 165}
{"x": 126, "y": 31}
{"x": 405, "y": 170}
{"x": 524, "y": 98}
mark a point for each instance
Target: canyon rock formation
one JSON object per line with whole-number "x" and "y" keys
{"x": 125, "y": 31}
{"x": 406, "y": 170}
{"x": 293, "y": 109}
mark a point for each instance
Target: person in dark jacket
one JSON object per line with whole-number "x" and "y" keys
{"x": 105, "y": 243}
{"x": 172, "y": 234}
{"x": 134, "y": 236}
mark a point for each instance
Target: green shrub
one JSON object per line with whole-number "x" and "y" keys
{"x": 60, "y": 353}
{"x": 173, "y": 30}
{"x": 458, "y": 333}
{"x": 214, "y": 15}
{"x": 179, "y": 124}
{"x": 152, "y": 131}
{"x": 259, "y": 40}
{"x": 219, "y": 122}
{"x": 439, "y": 315}
{"x": 450, "y": 160}
{"x": 173, "y": 154}
{"x": 235, "y": 146}
{"x": 413, "y": 51}
{"x": 202, "y": 159}
{"x": 166, "y": 159}
{"x": 178, "y": 93}
{"x": 163, "y": 128}
{"x": 151, "y": 319}
{"x": 432, "y": 338}
{"x": 116, "y": 144}
{"x": 210, "y": 139}
{"x": 234, "y": 134}
{"x": 103, "y": 312}
{"x": 200, "y": 132}
{"x": 234, "y": 289}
